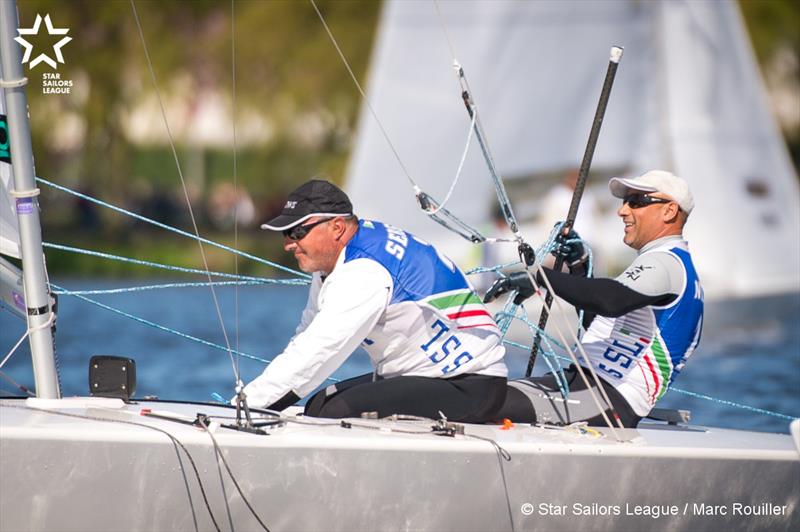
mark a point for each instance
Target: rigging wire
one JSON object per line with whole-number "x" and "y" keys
{"x": 183, "y": 185}
{"x": 140, "y": 262}
{"x": 150, "y": 221}
{"x": 426, "y": 202}
{"x": 363, "y": 95}
{"x": 143, "y": 288}
{"x": 235, "y": 185}
{"x": 166, "y": 329}
{"x": 472, "y": 109}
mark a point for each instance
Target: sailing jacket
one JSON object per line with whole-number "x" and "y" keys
{"x": 648, "y": 323}
{"x": 409, "y": 307}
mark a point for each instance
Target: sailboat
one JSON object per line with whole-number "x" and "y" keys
{"x": 688, "y": 98}
{"x": 110, "y": 462}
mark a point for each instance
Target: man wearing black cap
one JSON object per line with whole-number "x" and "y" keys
{"x": 641, "y": 326}
{"x": 434, "y": 345}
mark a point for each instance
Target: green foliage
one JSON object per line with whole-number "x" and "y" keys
{"x": 286, "y": 68}
{"x": 772, "y": 24}
{"x": 287, "y": 74}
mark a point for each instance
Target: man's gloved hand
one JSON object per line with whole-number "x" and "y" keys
{"x": 518, "y": 281}
{"x": 573, "y": 253}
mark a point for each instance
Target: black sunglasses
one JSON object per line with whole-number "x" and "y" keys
{"x": 637, "y": 201}
{"x": 299, "y": 232}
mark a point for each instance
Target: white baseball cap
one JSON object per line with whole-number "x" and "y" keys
{"x": 655, "y": 181}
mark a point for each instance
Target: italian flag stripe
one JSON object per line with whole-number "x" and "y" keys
{"x": 653, "y": 373}
{"x": 479, "y": 325}
{"x": 455, "y": 300}
{"x": 664, "y": 365}
{"x": 644, "y": 378}
{"x": 468, "y": 314}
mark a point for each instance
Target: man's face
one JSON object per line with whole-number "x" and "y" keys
{"x": 646, "y": 223}
{"x": 317, "y": 250}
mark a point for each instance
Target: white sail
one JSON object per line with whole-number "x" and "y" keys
{"x": 688, "y": 98}
{"x": 9, "y": 230}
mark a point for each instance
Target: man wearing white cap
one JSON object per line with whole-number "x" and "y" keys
{"x": 434, "y": 345}
{"x": 641, "y": 326}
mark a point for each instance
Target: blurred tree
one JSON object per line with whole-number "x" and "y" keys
{"x": 289, "y": 82}
{"x": 774, "y": 28}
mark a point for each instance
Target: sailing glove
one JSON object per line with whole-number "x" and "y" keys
{"x": 571, "y": 249}
{"x": 518, "y": 282}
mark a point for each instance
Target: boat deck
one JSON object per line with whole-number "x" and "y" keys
{"x": 314, "y": 474}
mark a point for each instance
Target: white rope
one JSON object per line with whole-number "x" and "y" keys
{"x": 13, "y": 349}
{"x": 28, "y": 332}
{"x": 460, "y": 167}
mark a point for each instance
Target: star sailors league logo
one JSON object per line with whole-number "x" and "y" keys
{"x": 51, "y": 81}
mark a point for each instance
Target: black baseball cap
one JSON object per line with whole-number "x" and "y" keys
{"x": 316, "y": 197}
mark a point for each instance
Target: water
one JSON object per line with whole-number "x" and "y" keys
{"x": 749, "y": 354}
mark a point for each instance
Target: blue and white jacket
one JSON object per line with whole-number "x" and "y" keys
{"x": 409, "y": 307}
{"x": 641, "y": 352}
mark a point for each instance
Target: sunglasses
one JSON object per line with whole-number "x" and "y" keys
{"x": 299, "y": 232}
{"x": 637, "y": 201}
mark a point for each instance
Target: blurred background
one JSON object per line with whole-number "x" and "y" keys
{"x": 295, "y": 115}
{"x": 298, "y": 114}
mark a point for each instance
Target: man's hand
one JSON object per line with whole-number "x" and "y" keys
{"x": 518, "y": 281}
{"x": 570, "y": 249}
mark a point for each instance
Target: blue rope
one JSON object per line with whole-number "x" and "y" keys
{"x": 178, "y": 285}
{"x": 731, "y": 403}
{"x": 166, "y": 266}
{"x": 64, "y": 291}
{"x": 149, "y": 323}
{"x": 173, "y": 229}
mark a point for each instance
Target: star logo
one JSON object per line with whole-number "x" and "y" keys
{"x": 35, "y": 31}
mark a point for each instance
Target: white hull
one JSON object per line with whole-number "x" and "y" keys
{"x": 64, "y": 473}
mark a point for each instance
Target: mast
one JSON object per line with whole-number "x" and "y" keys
{"x": 37, "y": 298}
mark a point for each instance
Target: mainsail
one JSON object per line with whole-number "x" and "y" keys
{"x": 9, "y": 229}
{"x": 688, "y": 98}
{"x": 11, "y": 291}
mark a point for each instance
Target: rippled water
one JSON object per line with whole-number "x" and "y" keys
{"x": 750, "y": 351}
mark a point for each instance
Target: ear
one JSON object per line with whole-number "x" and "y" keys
{"x": 671, "y": 212}
{"x": 339, "y": 226}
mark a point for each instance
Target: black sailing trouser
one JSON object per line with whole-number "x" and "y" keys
{"x": 467, "y": 398}
{"x": 539, "y": 400}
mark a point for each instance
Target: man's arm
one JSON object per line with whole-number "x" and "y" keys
{"x": 606, "y": 297}
{"x": 311, "y": 308}
{"x": 350, "y": 307}
{"x": 652, "y": 279}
